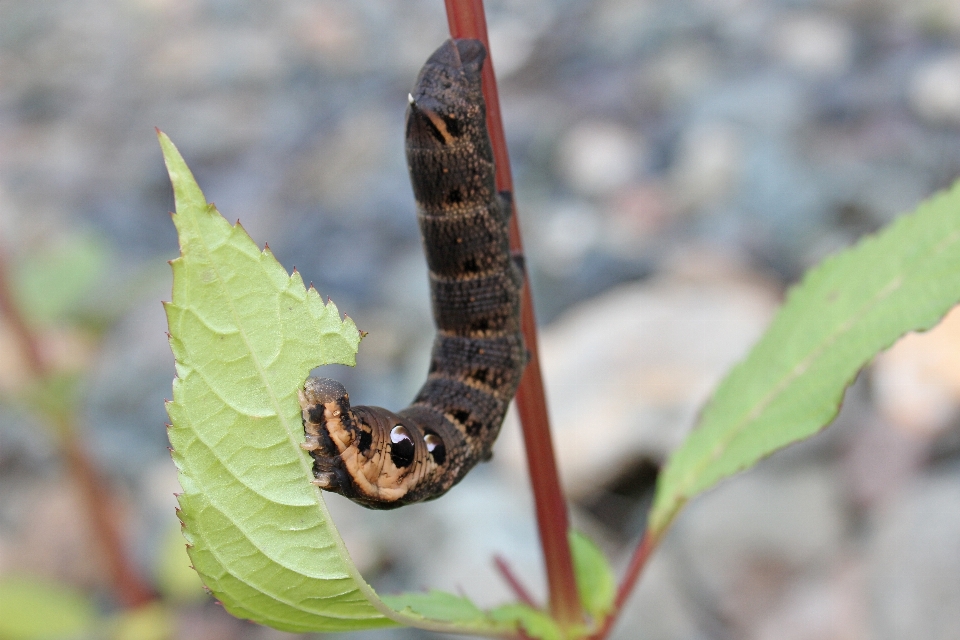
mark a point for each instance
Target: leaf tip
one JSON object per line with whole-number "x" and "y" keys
{"x": 186, "y": 192}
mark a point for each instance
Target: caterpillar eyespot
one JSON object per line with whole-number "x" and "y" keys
{"x": 381, "y": 459}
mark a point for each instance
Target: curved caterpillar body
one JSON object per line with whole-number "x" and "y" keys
{"x": 382, "y": 459}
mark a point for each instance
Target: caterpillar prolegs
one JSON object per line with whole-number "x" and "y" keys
{"x": 382, "y": 459}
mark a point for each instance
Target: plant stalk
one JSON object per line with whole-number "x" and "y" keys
{"x": 466, "y": 19}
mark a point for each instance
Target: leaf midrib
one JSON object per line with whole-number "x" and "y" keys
{"x": 241, "y": 329}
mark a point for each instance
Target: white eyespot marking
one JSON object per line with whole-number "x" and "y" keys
{"x": 399, "y": 433}
{"x": 433, "y": 441}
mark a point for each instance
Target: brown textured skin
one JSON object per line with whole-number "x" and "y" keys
{"x": 478, "y": 355}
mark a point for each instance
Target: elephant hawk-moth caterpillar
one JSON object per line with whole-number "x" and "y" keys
{"x": 382, "y": 459}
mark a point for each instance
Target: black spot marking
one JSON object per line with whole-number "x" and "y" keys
{"x": 471, "y": 266}
{"x": 480, "y": 375}
{"x": 316, "y": 414}
{"x": 474, "y": 427}
{"x": 435, "y": 446}
{"x": 366, "y": 441}
{"x": 402, "y": 449}
{"x": 454, "y": 128}
{"x": 461, "y": 416}
{"x": 455, "y": 196}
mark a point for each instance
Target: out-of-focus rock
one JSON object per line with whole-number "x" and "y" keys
{"x": 832, "y": 606}
{"x": 513, "y": 41}
{"x": 878, "y": 460}
{"x": 487, "y": 517}
{"x": 761, "y": 556}
{"x": 917, "y": 381}
{"x": 748, "y": 542}
{"x": 914, "y": 562}
{"x": 626, "y": 372}
{"x": 815, "y": 44}
{"x": 448, "y": 544}
{"x": 570, "y": 231}
{"x": 332, "y": 34}
{"x": 935, "y": 17}
{"x": 682, "y": 71}
{"x": 708, "y": 164}
{"x": 635, "y": 217}
{"x": 596, "y": 157}
{"x": 935, "y": 90}
{"x": 658, "y": 608}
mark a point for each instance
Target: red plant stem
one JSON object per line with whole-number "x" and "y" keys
{"x": 639, "y": 559}
{"x": 128, "y": 588}
{"x": 466, "y": 19}
{"x": 515, "y": 585}
{"x": 11, "y": 311}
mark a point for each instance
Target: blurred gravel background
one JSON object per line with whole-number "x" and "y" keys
{"x": 678, "y": 163}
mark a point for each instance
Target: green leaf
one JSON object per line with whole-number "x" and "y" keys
{"x": 245, "y": 335}
{"x": 35, "y": 610}
{"x": 842, "y": 314}
{"x": 534, "y": 623}
{"x": 53, "y": 283}
{"x": 595, "y": 579}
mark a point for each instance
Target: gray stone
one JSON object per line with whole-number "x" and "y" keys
{"x": 914, "y": 561}
{"x": 935, "y": 90}
{"x": 627, "y": 372}
{"x": 818, "y": 44}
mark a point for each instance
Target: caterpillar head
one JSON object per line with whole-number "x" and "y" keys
{"x": 448, "y": 95}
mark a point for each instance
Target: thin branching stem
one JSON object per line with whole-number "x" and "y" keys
{"x": 637, "y": 562}
{"x": 507, "y": 573}
{"x": 128, "y": 589}
{"x": 467, "y": 20}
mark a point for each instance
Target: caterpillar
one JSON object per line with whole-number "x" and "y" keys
{"x": 384, "y": 460}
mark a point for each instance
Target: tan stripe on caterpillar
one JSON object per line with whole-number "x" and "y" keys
{"x": 382, "y": 459}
